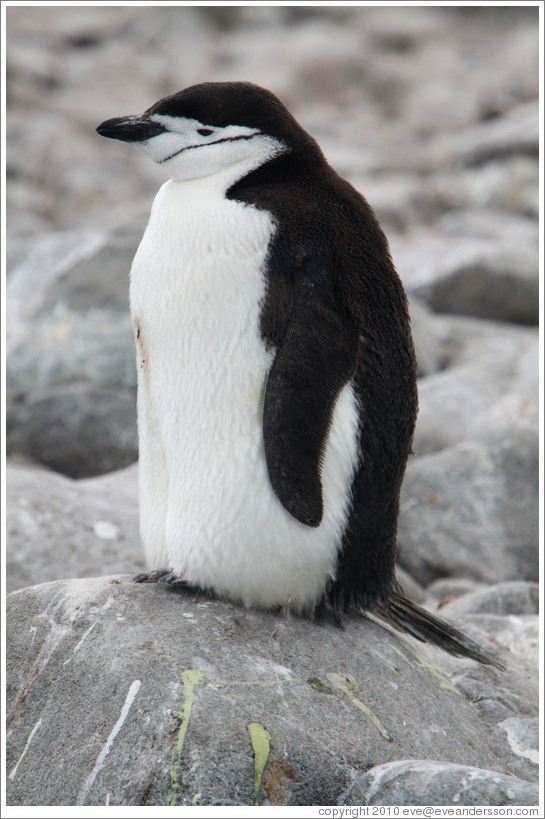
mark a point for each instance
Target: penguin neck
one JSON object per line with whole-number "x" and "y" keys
{"x": 223, "y": 177}
{"x": 286, "y": 168}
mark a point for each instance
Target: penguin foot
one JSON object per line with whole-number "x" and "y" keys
{"x": 172, "y": 577}
{"x": 156, "y": 576}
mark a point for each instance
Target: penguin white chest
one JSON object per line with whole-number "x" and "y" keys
{"x": 207, "y": 509}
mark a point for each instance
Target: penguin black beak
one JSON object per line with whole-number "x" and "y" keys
{"x": 130, "y": 129}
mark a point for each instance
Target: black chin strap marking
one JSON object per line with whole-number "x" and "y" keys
{"x": 207, "y": 144}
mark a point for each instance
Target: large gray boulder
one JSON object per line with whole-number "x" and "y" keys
{"x": 95, "y": 346}
{"x": 145, "y": 695}
{"x": 488, "y": 379}
{"x": 472, "y": 510}
{"x": 61, "y": 528}
{"x": 465, "y": 272}
{"x": 78, "y": 430}
{"x": 71, "y": 375}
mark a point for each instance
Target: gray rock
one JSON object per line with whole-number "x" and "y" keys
{"x": 505, "y": 598}
{"x": 69, "y": 293}
{"x": 523, "y": 737}
{"x": 500, "y": 706}
{"x": 507, "y": 612}
{"x": 472, "y": 511}
{"x": 509, "y": 227}
{"x": 499, "y": 137}
{"x": 428, "y": 782}
{"x": 499, "y": 286}
{"x": 499, "y": 187}
{"x": 465, "y": 340}
{"x": 490, "y": 381}
{"x": 516, "y": 633}
{"x": 79, "y": 430}
{"x": 100, "y": 279}
{"x": 145, "y": 695}
{"x": 47, "y": 260}
{"x": 59, "y": 528}
{"x": 95, "y": 346}
{"x": 441, "y": 592}
{"x": 471, "y": 274}
{"x": 479, "y": 200}
{"x": 492, "y": 703}
{"x": 71, "y": 375}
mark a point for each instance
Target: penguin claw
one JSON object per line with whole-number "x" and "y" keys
{"x": 171, "y": 577}
{"x": 140, "y": 578}
{"x": 153, "y": 577}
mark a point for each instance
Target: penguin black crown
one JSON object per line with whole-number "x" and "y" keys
{"x": 277, "y": 391}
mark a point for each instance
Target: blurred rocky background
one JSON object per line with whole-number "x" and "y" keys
{"x": 432, "y": 113}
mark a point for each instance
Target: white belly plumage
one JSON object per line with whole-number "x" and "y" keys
{"x": 207, "y": 509}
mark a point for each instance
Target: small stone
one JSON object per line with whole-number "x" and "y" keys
{"x": 429, "y": 782}
{"x": 523, "y": 737}
{"x": 105, "y": 530}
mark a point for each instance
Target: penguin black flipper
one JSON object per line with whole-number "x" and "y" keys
{"x": 404, "y": 615}
{"x": 317, "y": 357}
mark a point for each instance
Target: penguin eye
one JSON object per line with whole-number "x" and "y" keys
{"x": 205, "y": 131}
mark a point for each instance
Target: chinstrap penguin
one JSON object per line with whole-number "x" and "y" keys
{"x": 277, "y": 391}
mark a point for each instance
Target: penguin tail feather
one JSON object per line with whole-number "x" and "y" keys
{"x": 404, "y": 615}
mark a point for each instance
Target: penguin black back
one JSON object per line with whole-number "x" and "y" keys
{"x": 330, "y": 250}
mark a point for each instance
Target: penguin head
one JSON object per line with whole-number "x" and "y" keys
{"x": 211, "y": 127}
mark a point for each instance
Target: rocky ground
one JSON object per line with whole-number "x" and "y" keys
{"x": 430, "y": 112}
